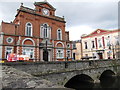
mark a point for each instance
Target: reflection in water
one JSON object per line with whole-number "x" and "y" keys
{"x": 79, "y": 82}
{"x": 108, "y": 82}
{"x": 105, "y": 84}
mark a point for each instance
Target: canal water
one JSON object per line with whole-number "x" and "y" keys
{"x": 105, "y": 84}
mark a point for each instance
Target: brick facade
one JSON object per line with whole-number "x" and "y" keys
{"x": 32, "y": 29}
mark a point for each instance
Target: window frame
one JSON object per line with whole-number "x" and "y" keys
{"x": 58, "y": 56}
{"x": 27, "y": 33}
{"x": 69, "y": 53}
{"x": 45, "y": 32}
{"x": 86, "y": 46}
{"x": 24, "y": 50}
{"x": 59, "y": 34}
{"x": 93, "y": 44}
{"x": 6, "y": 51}
{"x": 100, "y": 43}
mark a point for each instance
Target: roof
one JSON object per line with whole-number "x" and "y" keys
{"x": 42, "y": 3}
{"x": 32, "y": 11}
{"x": 99, "y": 32}
{"x": 10, "y": 23}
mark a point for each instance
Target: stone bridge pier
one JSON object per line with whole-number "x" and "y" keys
{"x": 71, "y": 73}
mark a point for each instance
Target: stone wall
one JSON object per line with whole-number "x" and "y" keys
{"x": 53, "y": 73}
{"x": 56, "y": 67}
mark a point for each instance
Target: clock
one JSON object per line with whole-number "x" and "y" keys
{"x": 45, "y": 11}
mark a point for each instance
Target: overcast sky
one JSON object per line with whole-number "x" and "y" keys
{"x": 82, "y": 16}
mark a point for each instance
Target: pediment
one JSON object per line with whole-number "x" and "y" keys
{"x": 99, "y": 31}
{"x": 44, "y": 4}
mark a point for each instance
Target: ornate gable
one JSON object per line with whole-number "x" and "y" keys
{"x": 98, "y": 31}
{"x": 44, "y": 4}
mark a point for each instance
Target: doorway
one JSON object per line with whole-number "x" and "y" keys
{"x": 73, "y": 56}
{"x": 45, "y": 55}
{"x": 100, "y": 55}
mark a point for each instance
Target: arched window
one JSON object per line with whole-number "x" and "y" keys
{"x": 59, "y": 50}
{"x": 29, "y": 51}
{"x": 45, "y": 31}
{"x": 60, "y": 53}
{"x": 28, "y": 29}
{"x": 59, "y": 34}
{"x": 86, "y": 47}
{"x": 108, "y": 41}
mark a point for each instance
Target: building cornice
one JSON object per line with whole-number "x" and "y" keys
{"x": 104, "y": 33}
{"x": 33, "y": 37}
{"x": 33, "y": 12}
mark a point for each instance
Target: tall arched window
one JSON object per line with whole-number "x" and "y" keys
{"x": 45, "y": 31}
{"x": 28, "y": 29}
{"x": 86, "y": 47}
{"x": 59, "y": 34}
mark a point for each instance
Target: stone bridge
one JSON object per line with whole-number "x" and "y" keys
{"x": 63, "y": 73}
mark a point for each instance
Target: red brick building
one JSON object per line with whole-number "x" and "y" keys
{"x": 34, "y": 29}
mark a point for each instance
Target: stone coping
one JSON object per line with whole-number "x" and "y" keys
{"x": 53, "y": 62}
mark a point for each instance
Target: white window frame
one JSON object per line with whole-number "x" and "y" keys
{"x": 58, "y": 56}
{"x": 107, "y": 41}
{"x": 58, "y": 34}
{"x": 23, "y": 50}
{"x": 85, "y": 45}
{"x": 100, "y": 42}
{"x": 69, "y": 53}
{"x": 68, "y": 45}
{"x": 6, "y": 50}
{"x": 93, "y": 42}
{"x": 42, "y": 33}
{"x": 26, "y": 26}
{"x": 73, "y": 45}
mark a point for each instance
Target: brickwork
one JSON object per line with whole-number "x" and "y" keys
{"x": 17, "y": 31}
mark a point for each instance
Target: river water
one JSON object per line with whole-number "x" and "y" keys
{"x": 110, "y": 83}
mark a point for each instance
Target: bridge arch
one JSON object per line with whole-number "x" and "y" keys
{"x": 107, "y": 78}
{"x": 80, "y": 81}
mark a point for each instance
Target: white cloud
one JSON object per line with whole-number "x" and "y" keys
{"x": 76, "y": 31}
{"x": 81, "y": 18}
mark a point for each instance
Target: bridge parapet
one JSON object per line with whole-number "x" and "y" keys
{"x": 59, "y": 72}
{"x": 42, "y": 68}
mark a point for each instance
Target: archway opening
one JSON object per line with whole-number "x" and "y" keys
{"x": 107, "y": 79}
{"x": 80, "y": 81}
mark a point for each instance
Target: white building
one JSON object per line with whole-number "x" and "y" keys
{"x": 101, "y": 44}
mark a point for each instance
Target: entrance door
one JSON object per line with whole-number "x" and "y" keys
{"x": 100, "y": 55}
{"x": 74, "y": 56}
{"x": 45, "y": 55}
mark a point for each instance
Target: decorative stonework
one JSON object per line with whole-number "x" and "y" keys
{"x": 9, "y": 40}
